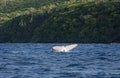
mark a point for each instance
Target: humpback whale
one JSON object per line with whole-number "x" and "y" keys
{"x": 66, "y": 48}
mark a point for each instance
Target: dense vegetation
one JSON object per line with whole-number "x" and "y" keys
{"x": 60, "y": 21}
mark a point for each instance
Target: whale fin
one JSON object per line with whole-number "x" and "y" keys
{"x": 70, "y": 47}
{"x": 58, "y": 48}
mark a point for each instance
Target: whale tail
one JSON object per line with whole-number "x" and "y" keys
{"x": 65, "y": 48}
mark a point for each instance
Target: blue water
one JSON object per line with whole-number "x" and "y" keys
{"x": 34, "y": 60}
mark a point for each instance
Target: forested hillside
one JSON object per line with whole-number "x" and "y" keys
{"x": 60, "y": 21}
{"x": 13, "y": 8}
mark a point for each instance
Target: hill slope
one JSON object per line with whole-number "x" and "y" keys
{"x": 82, "y": 23}
{"x": 14, "y": 8}
{"x": 71, "y": 22}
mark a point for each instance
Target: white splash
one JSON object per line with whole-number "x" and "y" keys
{"x": 64, "y": 48}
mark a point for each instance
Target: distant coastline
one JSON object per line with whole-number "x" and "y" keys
{"x": 65, "y": 22}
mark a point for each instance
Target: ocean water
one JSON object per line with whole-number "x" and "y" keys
{"x": 37, "y": 60}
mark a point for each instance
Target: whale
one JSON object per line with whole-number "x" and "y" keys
{"x": 66, "y": 48}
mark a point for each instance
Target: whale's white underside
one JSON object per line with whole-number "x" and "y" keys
{"x": 64, "y": 48}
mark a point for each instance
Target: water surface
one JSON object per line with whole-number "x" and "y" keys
{"x": 36, "y": 60}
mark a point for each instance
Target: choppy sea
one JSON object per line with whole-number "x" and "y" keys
{"x": 38, "y": 60}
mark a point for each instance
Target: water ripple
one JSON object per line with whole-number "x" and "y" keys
{"x": 34, "y": 60}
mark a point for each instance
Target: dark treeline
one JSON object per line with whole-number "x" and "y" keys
{"x": 71, "y": 21}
